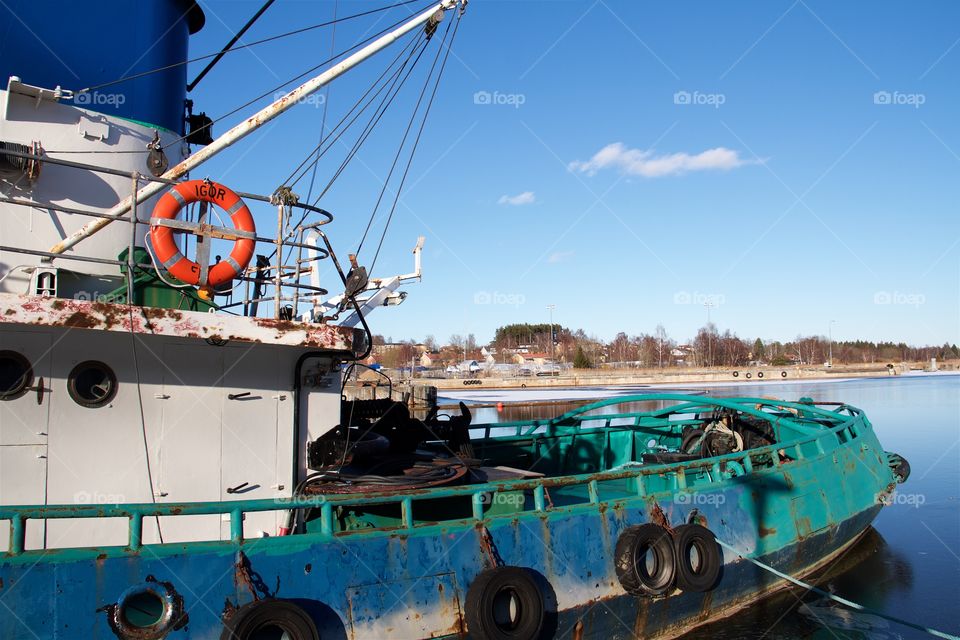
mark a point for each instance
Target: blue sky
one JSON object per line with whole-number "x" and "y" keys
{"x": 792, "y": 163}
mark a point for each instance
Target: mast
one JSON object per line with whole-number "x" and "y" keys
{"x": 251, "y": 124}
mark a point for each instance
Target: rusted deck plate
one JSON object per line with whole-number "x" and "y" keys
{"x": 43, "y": 311}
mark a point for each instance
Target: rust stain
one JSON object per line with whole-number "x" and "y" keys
{"x": 85, "y": 314}
{"x": 489, "y": 547}
{"x": 80, "y": 320}
{"x": 241, "y": 572}
{"x": 764, "y": 531}
{"x": 578, "y": 630}
{"x": 657, "y": 516}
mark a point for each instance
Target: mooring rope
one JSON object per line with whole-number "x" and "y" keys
{"x": 843, "y": 601}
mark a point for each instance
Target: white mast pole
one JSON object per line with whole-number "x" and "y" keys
{"x": 252, "y": 123}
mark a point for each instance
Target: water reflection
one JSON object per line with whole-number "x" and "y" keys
{"x": 870, "y": 569}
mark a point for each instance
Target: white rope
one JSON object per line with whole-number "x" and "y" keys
{"x": 843, "y": 601}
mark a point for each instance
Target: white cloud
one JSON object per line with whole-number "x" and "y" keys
{"x": 560, "y": 256}
{"x": 526, "y": 197}
{"x": 645, "y": 163}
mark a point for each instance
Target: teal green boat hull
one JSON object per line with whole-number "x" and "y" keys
{"x": 810, "y": 500}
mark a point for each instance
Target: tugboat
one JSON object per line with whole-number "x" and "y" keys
{"x": 177, "y": 458}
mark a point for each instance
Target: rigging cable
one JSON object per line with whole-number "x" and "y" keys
{"x": 416, "y": 142}
{"x": 279, "y": 87}
{"x": 275, "y": 89}
{"x": 368, "y": 129}
{"x": 233, "y": 41}
{"x": 301, "y": 171}
{"x": 246, "y": 46}
{"x": 143, "y": 420}
{"x": 326, "y": 98}
{"x": 385, "y": 103}
{"x": 403, "y": 142}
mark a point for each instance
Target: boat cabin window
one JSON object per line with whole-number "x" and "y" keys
{"x": 92, "y": 384}
{"x": 16, "y": 375}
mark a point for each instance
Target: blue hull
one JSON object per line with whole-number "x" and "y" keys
{"x": 413, "y": 583}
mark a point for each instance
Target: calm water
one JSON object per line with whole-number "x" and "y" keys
{"x": 908, "y": 566}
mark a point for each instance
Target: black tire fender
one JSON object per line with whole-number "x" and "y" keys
{"x": 783, "y": 374}
{"x": 691, "y": 436}
{"x": 632, "y": 548}
{"x": 504, "y": 603}
{"x": 748, "y": 376}
{"x": 736, "y": 374}
{"x": 699, "y": 572}
{"x": 759, "y": 374}
{"x": 252, "y": 620}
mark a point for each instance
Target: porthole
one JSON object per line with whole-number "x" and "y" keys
{"x": 16, "y": 375}
{"x": 92, "y": 384}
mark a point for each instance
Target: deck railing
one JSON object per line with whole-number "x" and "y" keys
{"x": 295, "y": 250}
{"x": 705, "y": 474}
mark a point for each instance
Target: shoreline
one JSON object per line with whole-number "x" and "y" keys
{"x": 569, "y": 392}
{"x": 677, "y": 378}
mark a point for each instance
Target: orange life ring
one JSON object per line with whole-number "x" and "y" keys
{"x": 166, "y": 250}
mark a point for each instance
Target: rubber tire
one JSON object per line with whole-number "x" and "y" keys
{"x": 783, "y": 374}
{"x": 481, "y": 601}
{"x": 902, "y": 470}
{"x": 252, "y": 617}
{"x": 705, "y": 578}
{"x": 759, "y": 374}
{"x": 748, "y": 376}
{"x": 736, "y": 374}
{"x": 631, "y": 563}
{"x": 690, "y": 436}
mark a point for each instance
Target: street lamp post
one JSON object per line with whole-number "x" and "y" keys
{"x": 709, "y": 305}
{"x": 553, "y": 346}
{"x": 830, "y": 348}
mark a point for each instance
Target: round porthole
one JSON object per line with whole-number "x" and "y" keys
{"x": 92, "y": 384}
{"x": 16, "y": 375}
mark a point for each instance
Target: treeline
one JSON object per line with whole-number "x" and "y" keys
{"x": 709, "y": 348}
